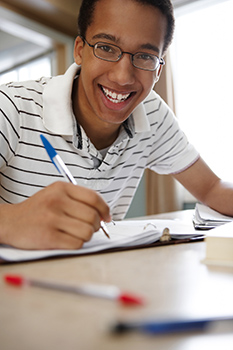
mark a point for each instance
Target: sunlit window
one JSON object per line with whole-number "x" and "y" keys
{"x": 29, "y": 71}
{"x": 202, "y": 58}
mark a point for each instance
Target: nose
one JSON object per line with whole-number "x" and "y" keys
{"x": 122, "y": 72}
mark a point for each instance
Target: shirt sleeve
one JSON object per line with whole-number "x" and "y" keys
{"x": 171, "y": 151}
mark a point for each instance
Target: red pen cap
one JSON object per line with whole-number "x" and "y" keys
{"x": 14, "y": 279}
{"x": 130, "y": 299}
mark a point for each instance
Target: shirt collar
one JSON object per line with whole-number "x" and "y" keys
{"x": 58, "y": 116}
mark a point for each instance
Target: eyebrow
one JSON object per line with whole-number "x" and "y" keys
{"x": 106, "y": 36}
{"x": 150, "y": 47}
{"x": 112, "y": 38}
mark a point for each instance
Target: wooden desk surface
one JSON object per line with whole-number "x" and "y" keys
{"x": 172, "y": 279}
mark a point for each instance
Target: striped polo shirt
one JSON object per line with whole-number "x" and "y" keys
{"x": 149, "y": 138}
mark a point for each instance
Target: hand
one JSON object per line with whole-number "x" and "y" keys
{"x": 61, "y": 216}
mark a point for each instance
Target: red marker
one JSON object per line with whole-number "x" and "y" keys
{"x": 98, "y": 291}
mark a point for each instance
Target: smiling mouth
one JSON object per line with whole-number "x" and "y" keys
{"x": 115, "y": 97}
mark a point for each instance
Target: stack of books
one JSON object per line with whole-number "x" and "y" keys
{"x": 206, "y": 218}
{"x": 219, "y": 246}
{"x": 219, "y": 240}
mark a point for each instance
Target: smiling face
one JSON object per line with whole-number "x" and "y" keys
{"x": 108, "y": 92}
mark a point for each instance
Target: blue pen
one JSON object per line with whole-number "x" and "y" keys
{"x": 64, "y": 171}
{"x": 57, "y": 161}
{"x": 164, "y": 327}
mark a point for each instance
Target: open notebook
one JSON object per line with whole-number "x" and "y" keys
{"x": 123, "y": 235}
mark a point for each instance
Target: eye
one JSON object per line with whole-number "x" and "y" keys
{"x": 145, "y": 57}
{"x": 106, "y": 48}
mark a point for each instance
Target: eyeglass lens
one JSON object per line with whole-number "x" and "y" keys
{"x": 113, "y": 53}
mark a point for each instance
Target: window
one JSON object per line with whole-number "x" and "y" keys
{"x": 31, "y": 70}
{"x": 202, "y": 59}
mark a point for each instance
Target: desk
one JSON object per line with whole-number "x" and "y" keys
{"x": 172, "y": 279}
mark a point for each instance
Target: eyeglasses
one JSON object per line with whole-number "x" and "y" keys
{"x": 112, "y": 53}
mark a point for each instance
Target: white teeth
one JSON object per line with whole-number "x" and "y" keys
{"x": 114, "y": 97}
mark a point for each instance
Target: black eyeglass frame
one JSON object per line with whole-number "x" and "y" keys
{"x": 160, "y": 60}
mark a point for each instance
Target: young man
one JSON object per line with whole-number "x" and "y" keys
{"x": 106, "y": 123}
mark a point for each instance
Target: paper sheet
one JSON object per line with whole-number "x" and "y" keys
{"x": 123, "y": 234}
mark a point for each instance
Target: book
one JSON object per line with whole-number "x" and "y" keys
{"x": 206, "y": 218}
{"x": 219, "y": 246}
{"x": 126, "y": 234}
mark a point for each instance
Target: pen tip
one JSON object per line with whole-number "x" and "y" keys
{"x": 120, "y": 328}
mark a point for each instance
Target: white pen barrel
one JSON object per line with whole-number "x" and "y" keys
{"x": 107, "y": 292}
{"x": 63, "y": 169}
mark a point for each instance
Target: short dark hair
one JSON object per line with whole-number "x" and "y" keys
{"x": 165, "y": 6}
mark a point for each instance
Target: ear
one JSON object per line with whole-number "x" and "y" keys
{"x": 78, "y": 49}
{"x": 158, "y": 73}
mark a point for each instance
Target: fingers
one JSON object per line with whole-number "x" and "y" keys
{"x": 90, "y": 198}
{"x": 78, "y": 203}
{"x": 69, "y": 214}
{"x": 54, "y": 239}
{"x": 76, "y": 228}
{"x": 75, "y": 210}
{"x": 61, "y": 216}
